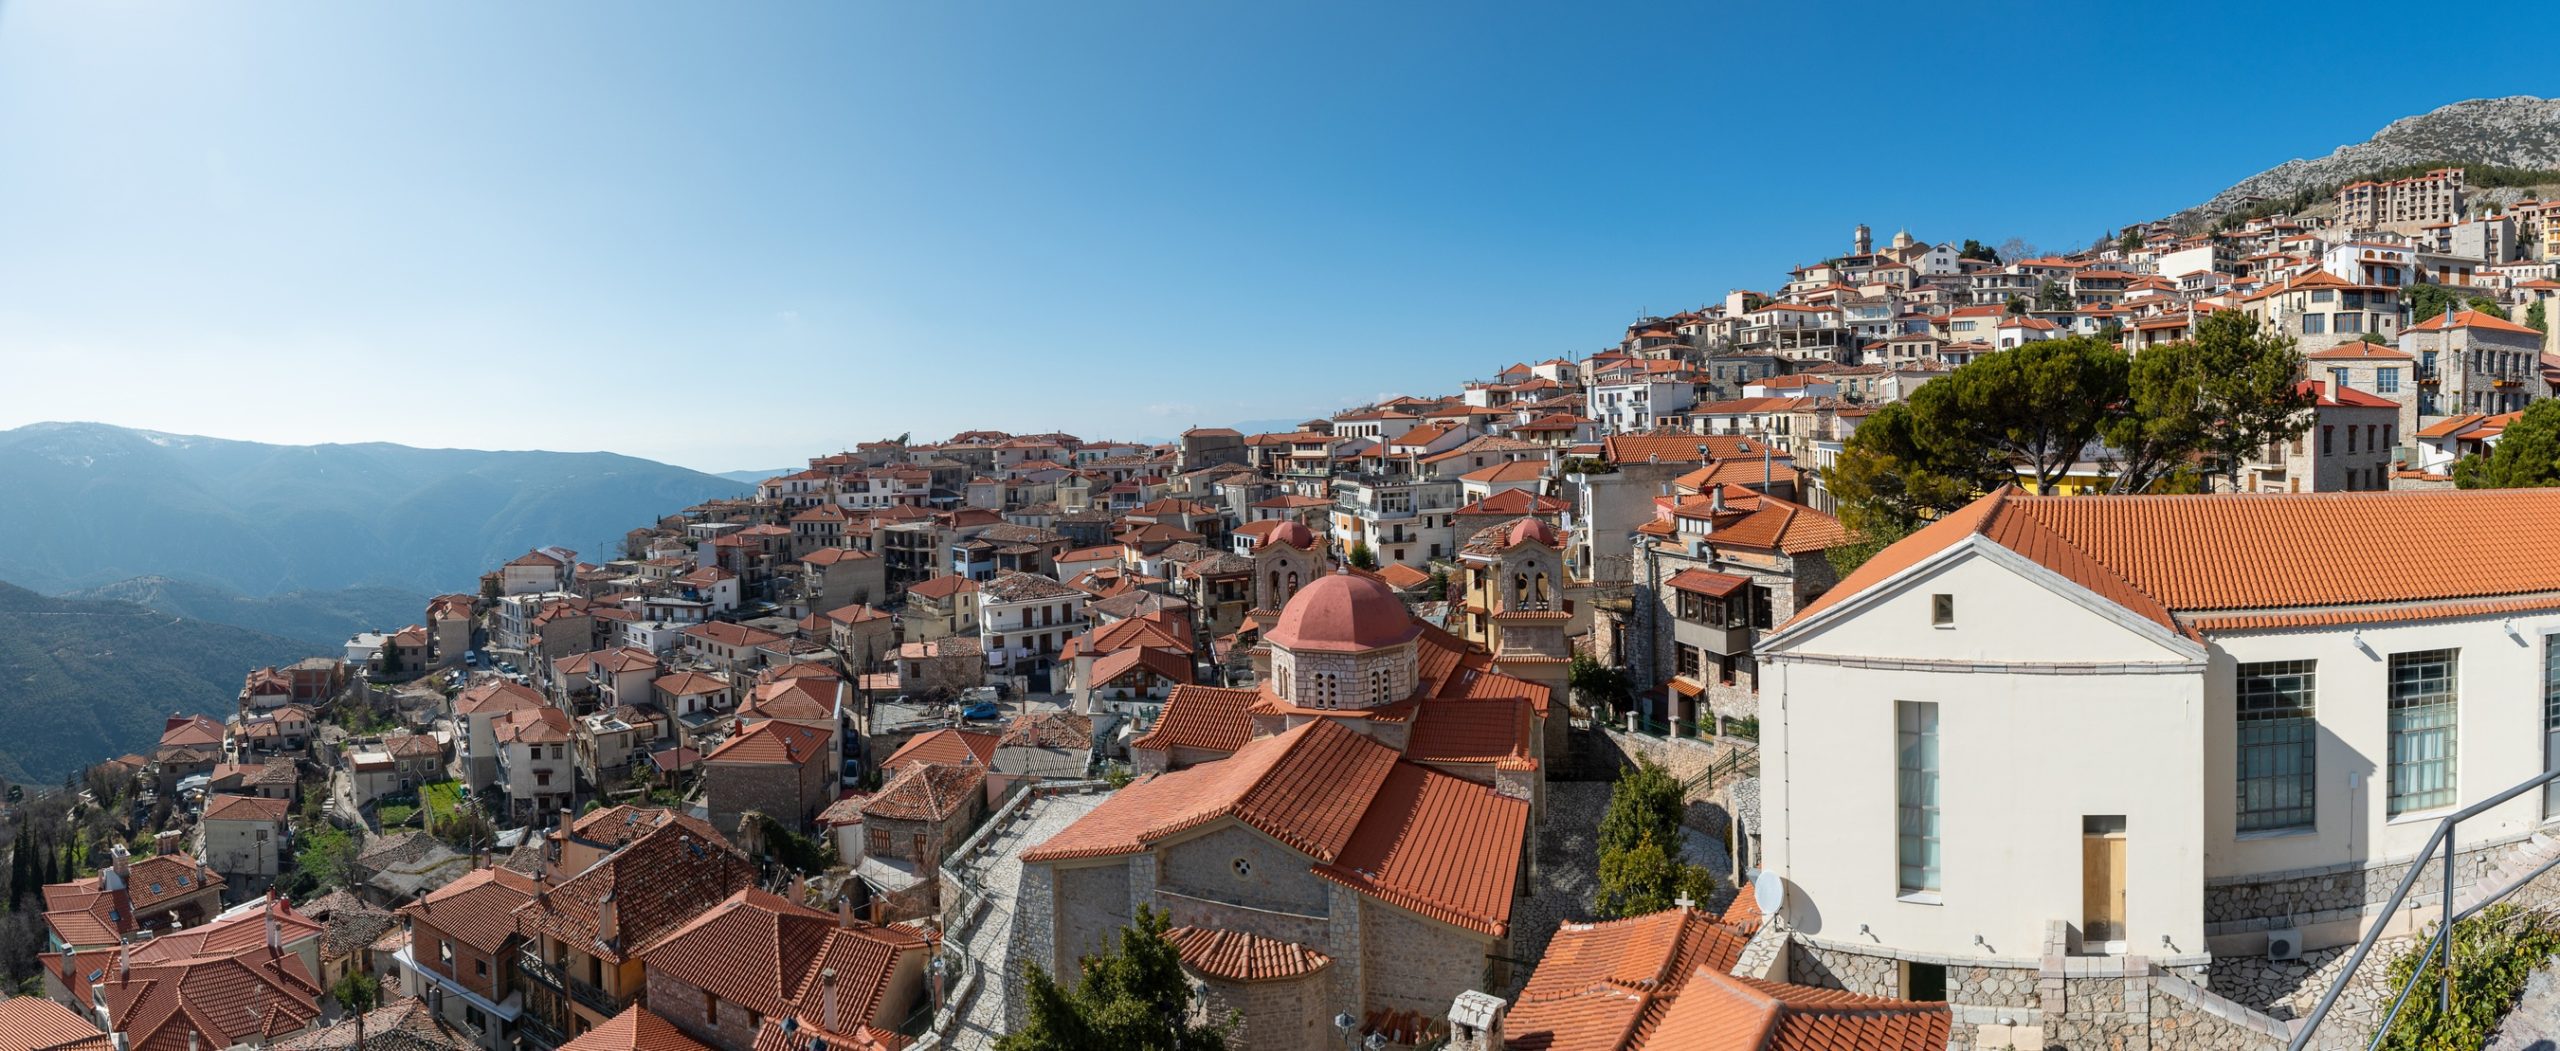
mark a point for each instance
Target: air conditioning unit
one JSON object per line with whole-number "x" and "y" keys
{"x": 2284, "y": 943}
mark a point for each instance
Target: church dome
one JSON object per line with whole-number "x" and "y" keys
{"x": 1295, "y": 534}
{"x": 1343, "y": 613}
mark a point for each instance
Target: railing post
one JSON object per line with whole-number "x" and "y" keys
{"x": 2444, "y": 1001}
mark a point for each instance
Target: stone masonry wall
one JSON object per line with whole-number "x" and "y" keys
{"x": 1416, "y": 965}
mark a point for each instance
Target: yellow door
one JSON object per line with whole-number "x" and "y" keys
{"x": 2102, "y": 888}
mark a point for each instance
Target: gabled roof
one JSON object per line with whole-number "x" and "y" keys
{"x": 635, "y": 1029}
{"x": 1720, "y": 1012}
{"x": 1603, "y": 986}
{"x": 654, "y": 885}
{"x": 479, "y": 908}
{"x": 750, "y": 949}
{"x": 33, "y": 1023}
{"x": 926, "y": 792}
{"x": 1206, "y": 717}
{"x": 2453, "y": 319}
{"x": 770, "y": 743}
{"x": 2170, "y": 559}
{"x": 247, "y": 808}
{"x": 951, "y": 746}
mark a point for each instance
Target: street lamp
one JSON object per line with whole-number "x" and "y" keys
{"x": 1342, "y": 1023}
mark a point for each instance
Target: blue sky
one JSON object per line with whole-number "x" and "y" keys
{"x": 733, "y": 237}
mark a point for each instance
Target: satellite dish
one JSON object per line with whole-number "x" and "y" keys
{"x": 1768, "y": 891}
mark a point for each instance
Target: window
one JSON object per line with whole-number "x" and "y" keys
{"x": 2550, "y": 721}
{"x": 1942, "y": 610}
{"x": 1924, "y": 982}
{"x": 2328, "y": 440}
{"x": 444, "y": 952}
{"x": 2278, "y": 733}
{"x": 2315, "y": 324}
{"x": 2423, "y": 710}
{"x": 481, "y": 967}
{"x": 1916, "y": 794}
{"x": 1243, "y": 868}
{"x": 1687, "y": 663}
{"x": 710, "y": 1006}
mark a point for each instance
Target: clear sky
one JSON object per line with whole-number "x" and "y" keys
{"x": 731, "y": 236}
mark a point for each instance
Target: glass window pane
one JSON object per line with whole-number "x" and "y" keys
{"x": 2278, "y": 735}
{"x": 1916, "y": 780}
{"x": 2424, "y": 717}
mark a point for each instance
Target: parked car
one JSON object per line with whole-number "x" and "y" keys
{"x": 982, "y": 710}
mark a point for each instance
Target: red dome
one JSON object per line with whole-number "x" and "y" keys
{"x": 1343, "y": 613}
{"x": 1295, "y": 534}
{"x": 1528, "y": 529}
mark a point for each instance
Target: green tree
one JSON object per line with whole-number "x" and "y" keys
{"x": 2052, "y": 296}
{"x": 2534, "y": 318}
{"x": 1640, "y": 870}
{"x": 2527, "y": 454}
{"x": 357, "y": 992}
{"x": 1362, "y": 557}
{"x": 2494, "y": 953}
{"x": 2426, "y": 301}
{"x": 1977, "y": 250}
{"x": 2154, "y": 434}
{"x": 1898, "y": 471}
{"x": 2129, "y": 241}
{"x": 2488, "y": 306}
{"x": 2017, "y": 305}
{"x": 1133, "y": 997}
{"x": 1601, "y": 686}
{"x": 2251, "y": 395}
{"x": 2037, "y": 406}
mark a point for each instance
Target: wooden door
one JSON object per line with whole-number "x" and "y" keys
{"x": 2102, "y": 888}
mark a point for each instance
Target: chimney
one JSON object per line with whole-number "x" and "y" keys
{"x": 275, "y": 931}
{"x": 827, "y": 987}
{"x": 608, "y": 920}
{"x": 1715, "y": 501}
{"x": 844, "y": 910}
{"x": 1475, "y": 1022}
{"x": 565, "y": 818}
{"x": 192, "y": 1043}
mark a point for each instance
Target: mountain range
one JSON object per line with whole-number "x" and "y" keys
{"x": 92, "y": 505}
{"x": 82, "y": 680}
{"x": 2520, "y": 132}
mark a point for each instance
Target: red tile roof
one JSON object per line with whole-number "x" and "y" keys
{"x": 771, "y": 743}
{"x": 33, "y": 1023}
{"x": 927, "y": 792}
{"x": 253, "y": 997}
{"x": 1706, "y": 582}
{"x": 247, "y": 808}
{"x": 1720, "y": 1012}
{"x": 2165, "y": 557}
{"x": 750, "y": 949}
{"x": 479, "y": 908}
{"x": 1236, "y": 956}
{"x": 2453, "y": 319}
{"x": 1437, "y": 845}
{"x": 655, "y": 884}
{"x": 1604, "y": 986}
{"x": 1207, "y": 717}
{"x": 635, "y": 1029}
{"x": 954, "y": 746}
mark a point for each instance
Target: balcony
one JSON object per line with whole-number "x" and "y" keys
{"x": 587, "y": 995}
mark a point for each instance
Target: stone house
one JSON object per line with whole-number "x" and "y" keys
{"x": 777, "y": 768}
{"x": 940, "y": 607}
{"x": 836, "y": 975}
{"x": 464, "y": 949}
{"x": 834, "y": 577}
{"x": 584, "y": 933}
{"x": 244, "y": 839}
{"x": 910, "y": 825}
{"x": 2469, "y": 361}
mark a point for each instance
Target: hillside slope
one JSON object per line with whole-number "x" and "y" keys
{"x": 320, "y": 619}
{"x": 92, "y": 504}
{"x": 2517, "y": 132}
{"x": 82, "y": 681}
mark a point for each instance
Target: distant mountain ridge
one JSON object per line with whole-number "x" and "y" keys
{"x": 321, "y": 619}
{"x": 91, "y": 504}
{"x": 2519, "y": 131}
{"x": 81, "y": 681}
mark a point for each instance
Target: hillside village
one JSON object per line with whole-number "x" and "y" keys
{"x": 1343, "y": 706}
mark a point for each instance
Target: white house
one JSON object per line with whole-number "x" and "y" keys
{"x": 2168, "y": 727}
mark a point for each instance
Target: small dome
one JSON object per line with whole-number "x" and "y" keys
{"x": 1528, "y": 529}
{"x": 1343, "y": 613}
{"x": 1295, "y": 534}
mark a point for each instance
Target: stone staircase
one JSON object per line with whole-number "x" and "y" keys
{"x": 2520, "y": 864}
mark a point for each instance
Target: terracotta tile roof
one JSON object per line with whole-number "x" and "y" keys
{"x": 479, "y": 908}
{"x": 750, "y": 949}
{"x": 1171, "y": 665}
{"x": 1403, "y": 577}
{"x": 953, "y": 746}
{"x": 1516, "y": 502}
{"x": 2357, "y": 351}
{"x": 192, "y": 730}
{"x": 1720, "y": 1012}
{"x": 405, "y": 1024}
{"x": 218, "y": 1001}
{"x": 728, "y": 634}
{"x": 496, "y": 695}
{"x": 534, "y": 726}
{"x": 795, "y": 698}
{"x": 656, "y": 883}
{"x": 613, "y": 826}
{"x": 2453, "y": 319}
{"x": 33, "y": 1023}
{"x": 635, "y": 1029}
{"x": 866, "y": 961}
{"x": 1604, "y": 986}
{"x": 1306, "y": 787}
{"x": 1206, "y": 717}
{"x": 2156, "y": 555}
{"x": 926, "y": 792}
{"x": 1437, "y": 845}
{"x": 1489, "y": 731}
{"x": 1706, "y": 582}
{"x": 1049, "y": 730}
{"x": 1236, "y": 956}
{"x": 771, "y": 743}
{"x": 247, "y": 808}
{"x": 2344, "y": 397}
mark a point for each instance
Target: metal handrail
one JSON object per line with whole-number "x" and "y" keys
{"x": 2418, "y": 865}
